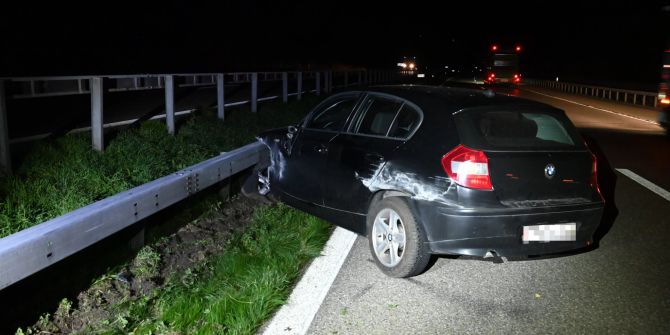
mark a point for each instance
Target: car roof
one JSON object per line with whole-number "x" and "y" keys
{"x": 453, "y": 99}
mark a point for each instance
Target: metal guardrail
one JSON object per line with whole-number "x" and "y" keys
{"x": 95, "y": 86}
{"x": 35, "y": 87}
{"x": 631, "y": 97}
{"x": 31, "y": 250}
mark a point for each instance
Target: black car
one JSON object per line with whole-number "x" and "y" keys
{"x": 424, "y": 170}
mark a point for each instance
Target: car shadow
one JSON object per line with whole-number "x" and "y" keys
{"x": 607, "y": 179}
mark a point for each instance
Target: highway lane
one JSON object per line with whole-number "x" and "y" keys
{"x": 620, "y": 287}
{"x": 625, "y": 141}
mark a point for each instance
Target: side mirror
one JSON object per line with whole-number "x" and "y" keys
{"x": 291, "y": 131}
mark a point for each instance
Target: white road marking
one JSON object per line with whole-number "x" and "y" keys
{"x": 596, "y": 108}
{"x": 296, "y": 316}
{"x": 646, "y": 183}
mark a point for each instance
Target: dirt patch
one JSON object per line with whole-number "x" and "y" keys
{"x": 150, "y": 269}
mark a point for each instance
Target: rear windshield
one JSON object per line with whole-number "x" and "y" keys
{"x": 495, "y": 129}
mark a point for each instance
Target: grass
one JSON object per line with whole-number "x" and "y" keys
{"x": 60, "y": 176}
{"x": 233, "y": 292}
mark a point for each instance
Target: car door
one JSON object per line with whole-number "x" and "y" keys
{"x": 382, "y": 123}
{"x": 304, "y": 165}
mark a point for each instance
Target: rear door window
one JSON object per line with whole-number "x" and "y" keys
{"x": 405, "y": 123}
{"x": 517, "y": 129}
{"x": 379, "y": 114}
{"x": 332, "y": 115}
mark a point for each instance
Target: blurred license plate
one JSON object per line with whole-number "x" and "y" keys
{"x": 549, "y": 233}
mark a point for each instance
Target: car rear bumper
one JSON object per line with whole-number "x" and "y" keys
{"x": 476, "y": 232}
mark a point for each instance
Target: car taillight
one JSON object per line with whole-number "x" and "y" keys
{"x": 468, "y": 167}
{"x": 663, "y": 94}
{"x": 594, "y": 174}
{"x": 663, "y": 98}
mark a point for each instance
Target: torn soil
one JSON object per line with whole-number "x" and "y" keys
{"x": 149, "y": 271}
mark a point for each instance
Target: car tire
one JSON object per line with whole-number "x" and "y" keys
{"x": 257, "y": 186}
{"x": 405, "y": 253}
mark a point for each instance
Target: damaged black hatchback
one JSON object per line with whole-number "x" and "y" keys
{"x": 424, "y": 170}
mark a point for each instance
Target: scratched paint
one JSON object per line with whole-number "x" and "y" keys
{"x": 387, "y": 178}
{"x": 277, "y": 160}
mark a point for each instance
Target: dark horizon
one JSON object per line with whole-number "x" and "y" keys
{"x": 605, "y": 42}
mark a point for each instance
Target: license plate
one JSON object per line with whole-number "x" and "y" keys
{"x": 549, "y": 233}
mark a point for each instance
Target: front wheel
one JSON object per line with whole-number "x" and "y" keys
{"x": 397, "y": 242}
{"x": 257, "y": 186}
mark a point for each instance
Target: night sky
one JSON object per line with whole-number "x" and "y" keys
{"x": 600, "y": 41}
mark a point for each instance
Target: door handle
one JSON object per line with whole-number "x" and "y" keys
{"x": 375, "y": 158}
{"x": 322, "y": 149}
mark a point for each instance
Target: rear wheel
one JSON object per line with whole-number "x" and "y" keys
{"x": 396, "y": 240}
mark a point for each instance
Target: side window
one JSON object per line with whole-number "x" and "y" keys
{"x": 333, "y": 116}
{"x": 405, "y": 123}
{"x": 379, "y": 115}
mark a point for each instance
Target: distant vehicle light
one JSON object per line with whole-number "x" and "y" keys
{"x": 494, "y": 48}
{"x": 518, "y": 48}
{"x": 665, "y": 101}
{"x": 411, "y": 65}
{"x": 402, "y": 65}
{"x": 420, "y": 75}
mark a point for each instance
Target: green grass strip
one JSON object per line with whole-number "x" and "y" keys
{"x": 61, "y": 176}
{"x": 234, "y": 292}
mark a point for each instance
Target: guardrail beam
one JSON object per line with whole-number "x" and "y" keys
{"x": 38, "y": 247}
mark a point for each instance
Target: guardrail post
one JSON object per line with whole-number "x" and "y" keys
{"x": 634, "y": 98}
{"x": 254, "y": 92}
{"x": 284, "y": 86}
{"x": 317, "y": 83}
{"x": 5, "y": 156}
{"x": 329, "y": 81}
{"x": 617, "y": 96}
{"x": 97, "y": 137}
{"x": 169, "y": 103}
{"x": 220, "y": 97}
{"x": 299, "y": 85}
{"x": 644, "y": 100}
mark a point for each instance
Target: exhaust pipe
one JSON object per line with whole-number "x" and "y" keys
{"x": 494, "y": 257}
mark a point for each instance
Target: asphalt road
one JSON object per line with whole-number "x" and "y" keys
{"x": 620, "y": 287}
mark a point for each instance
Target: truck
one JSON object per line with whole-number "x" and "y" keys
{"x": 504, "y": 65}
